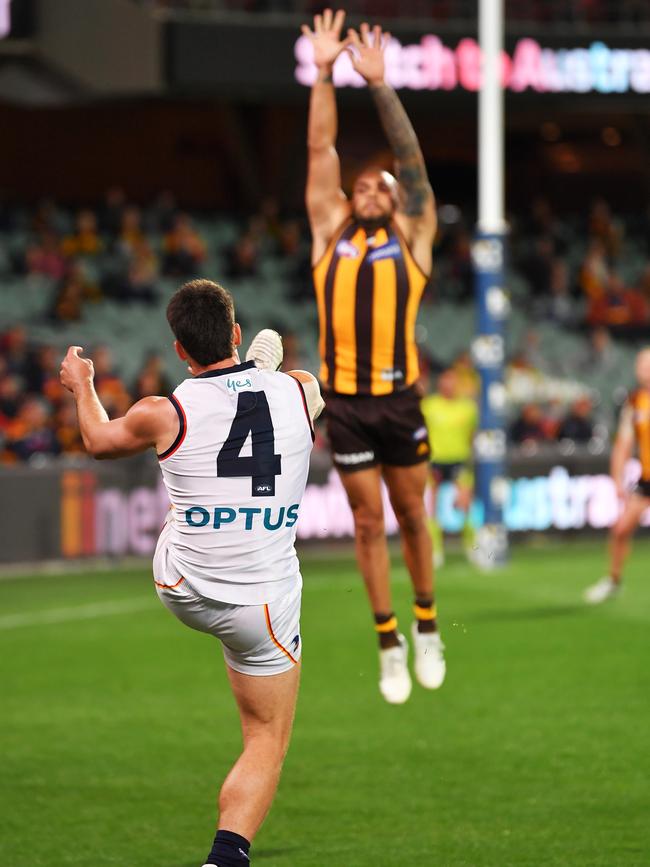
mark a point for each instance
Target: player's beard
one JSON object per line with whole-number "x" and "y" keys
{"x": 373, "y": 224}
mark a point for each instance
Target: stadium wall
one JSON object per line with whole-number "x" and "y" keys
{"x": 93, "y": 509}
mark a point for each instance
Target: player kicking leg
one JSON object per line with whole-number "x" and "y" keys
{"x": 633, "y": 429}
{"x": 262, "y": 649}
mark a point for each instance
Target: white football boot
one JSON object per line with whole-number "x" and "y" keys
{"x": 601, "y": 591}
{"x": 266, "y": 350}
{"x": 394, "y": 677}
{"x": 430, "y": 665}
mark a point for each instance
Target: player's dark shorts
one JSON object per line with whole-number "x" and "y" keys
{"x": 366, "y": 430}
{"x": 642, "y": 488}
{"x": 447, "y": 472}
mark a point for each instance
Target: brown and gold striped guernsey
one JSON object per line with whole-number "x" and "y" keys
{"x": 640, "y": 401}
{"x": 368, "y": 290}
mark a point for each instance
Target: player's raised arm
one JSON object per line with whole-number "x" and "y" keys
{"x": 326, "y": 202}
{"x": 623, "y": 448}
{"x": 417, "y": 203}
{"x": 149, "y": 423}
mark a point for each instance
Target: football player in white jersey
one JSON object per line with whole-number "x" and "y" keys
{"x": 234, "y": 442}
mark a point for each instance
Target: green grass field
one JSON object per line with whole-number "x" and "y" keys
{"x": 117, "y": 725}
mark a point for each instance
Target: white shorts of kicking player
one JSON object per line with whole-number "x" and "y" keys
{"x": 256, "y": 639}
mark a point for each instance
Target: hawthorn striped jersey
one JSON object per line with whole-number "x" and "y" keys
{"x": 368, "y": 290}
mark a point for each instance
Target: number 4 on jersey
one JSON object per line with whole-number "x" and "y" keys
{"x": 263, "y": 465}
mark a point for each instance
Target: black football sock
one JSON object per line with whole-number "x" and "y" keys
{"x": 386, "y": 628}
{"x": 425, "y": 614}
{"x": 229, "y": 850}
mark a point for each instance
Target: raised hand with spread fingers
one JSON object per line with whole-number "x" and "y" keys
{"x": 326, "y": 38}
{"x": 367, "y": 52}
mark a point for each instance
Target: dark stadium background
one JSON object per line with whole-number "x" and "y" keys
{"x": 167, "y": 108}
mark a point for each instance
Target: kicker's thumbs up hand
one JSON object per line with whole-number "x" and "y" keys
{"x": 75, "y": 370}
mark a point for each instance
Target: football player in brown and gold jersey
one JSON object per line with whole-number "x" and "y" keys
{"x": 371, "y": 259}
{"x": 633, "y": 431}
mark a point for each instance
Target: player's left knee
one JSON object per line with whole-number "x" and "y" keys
{"x": 411, "y": 519}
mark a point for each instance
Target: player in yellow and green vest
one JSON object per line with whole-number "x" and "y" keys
{"x": 451, "y": 422}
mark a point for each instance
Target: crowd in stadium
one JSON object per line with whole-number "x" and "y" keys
{"x": 589, "y": 276}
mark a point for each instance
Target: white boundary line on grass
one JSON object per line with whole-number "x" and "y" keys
{"x": 77, "y": 612}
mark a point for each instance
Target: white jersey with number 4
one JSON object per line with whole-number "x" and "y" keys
{"x": 235, "y": 477}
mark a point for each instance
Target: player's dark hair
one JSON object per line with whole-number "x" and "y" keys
{"x": 201, "y": 314}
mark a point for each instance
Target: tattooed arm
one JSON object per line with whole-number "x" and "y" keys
{"x": 415, "y": 189}
{"x": 417, "y": 203}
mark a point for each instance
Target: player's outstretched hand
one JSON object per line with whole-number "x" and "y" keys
{"x": 367, "y": 52}
{"x": 326, "y": 37}
{"x": 75, "y": 371}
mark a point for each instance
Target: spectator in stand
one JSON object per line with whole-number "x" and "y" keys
{"x": 548, "y": 243}
{"x": 72, "y": 294}
{"x": 44, "y": 256}
{"x": 116, "y": 401}
{"x": 31, "y": 432}
{"x": 594, "y": 271}
{"x": 43, "y": 375}
{"x": 48, "y": 218}
{"x": 269, "y": 220}
{"x": 139, "y": 281}
{"x": 529, "y": 427}
{"x": 106, "y": 378}
{"x": 10, "y": 398}
{"x": 15, "y": 351}
{"x": 66, "y": 428}
{"x": 537, "y": 265}
{"x": 618, "y": 306}
{"x": 243, "y": 258}
{"x": 296, "y": 254}
{"x": 184, "y": 249}
{"x": 109, "y": 386}
{"x": 85, "y": 241}
{"x": 152, "y": 379}
{"x": 598, "y": 358}
{"x": 290, "y": 239}
{"x": 604, "y": 228}
{"x": 130, "y": 235}
{"x": 557, "y": 304}
{"x": 162, "y": 213}
{"x": 578, "y": 425}
{"x": 531, "y": 356}
{"x": 112, "y": 211}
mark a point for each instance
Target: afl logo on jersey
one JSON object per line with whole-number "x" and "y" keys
{"x": 347, "y": 250}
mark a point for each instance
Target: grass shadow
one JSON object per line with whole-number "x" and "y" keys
{"x": 544, "y": 612}
{"x": 261, "y": 854}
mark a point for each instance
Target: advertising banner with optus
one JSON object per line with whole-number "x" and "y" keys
{"x": 117, "y": 510}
